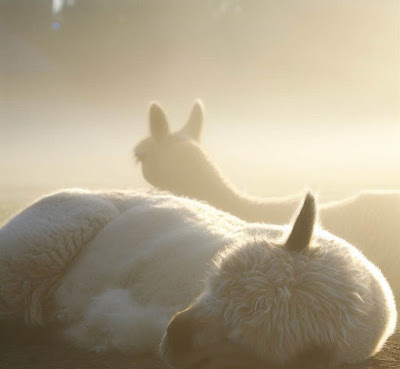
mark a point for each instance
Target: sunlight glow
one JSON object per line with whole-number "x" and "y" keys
{"x": 58, "y": 5}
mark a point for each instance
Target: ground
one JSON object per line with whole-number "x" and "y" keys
{"x": 45, "y": 355}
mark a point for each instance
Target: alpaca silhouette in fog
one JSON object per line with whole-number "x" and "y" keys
{"x": 176, "y": 162}
{"x": 107, "y": 270}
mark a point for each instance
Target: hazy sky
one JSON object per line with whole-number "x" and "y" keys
{"x": 310, "y": 88}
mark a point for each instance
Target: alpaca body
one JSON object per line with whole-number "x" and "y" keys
{"x": 139, "y": 271}
{"x": 118, "y": 283}
{"x": 177, "y": 163}
{"x": 72, "y": 255}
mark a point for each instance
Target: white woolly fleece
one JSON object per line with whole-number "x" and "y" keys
{"x": 111, "y": 268}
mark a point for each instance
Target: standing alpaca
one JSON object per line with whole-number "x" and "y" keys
{"x": 177, "y": 163}
{"x": 274, "y": 294}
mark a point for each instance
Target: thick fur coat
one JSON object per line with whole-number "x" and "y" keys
{"x": 108, "y": 270}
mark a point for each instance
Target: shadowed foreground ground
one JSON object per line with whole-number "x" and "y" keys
{"x": 36, "y": 352}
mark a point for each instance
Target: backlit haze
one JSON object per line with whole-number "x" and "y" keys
{"x": 296, "y": 93}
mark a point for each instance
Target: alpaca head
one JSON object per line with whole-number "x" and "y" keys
{"x": 298, "y": 300}
{"x": 248, "y": 311}
{"x": 173, "y": 160}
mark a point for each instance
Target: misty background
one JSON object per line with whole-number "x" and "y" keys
{"x": 296, "y": 93}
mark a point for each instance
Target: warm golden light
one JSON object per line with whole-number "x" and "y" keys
{"x": 284, "y": 114}
{"x": 295, "y": 94}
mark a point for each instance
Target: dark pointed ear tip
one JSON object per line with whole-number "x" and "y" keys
{"x": 310, "y": 204}
{"x": 310, "y": 200}
{"x": 303, "y": 226}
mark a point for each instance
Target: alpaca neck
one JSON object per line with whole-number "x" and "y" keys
{"x": 213, "y": 187}
{"x": 274, "y": 210}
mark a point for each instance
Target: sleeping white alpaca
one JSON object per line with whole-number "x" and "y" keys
{"x": 177, "y": 163}
{"x": 109, "y": 269}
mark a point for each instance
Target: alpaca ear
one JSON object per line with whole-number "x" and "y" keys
{"x": 303, "y": 227}
{"x": 159, "y": 127}
{"x": 194, "y": 124}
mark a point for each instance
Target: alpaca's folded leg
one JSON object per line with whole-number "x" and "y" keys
{"x": 114, "y": 320}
